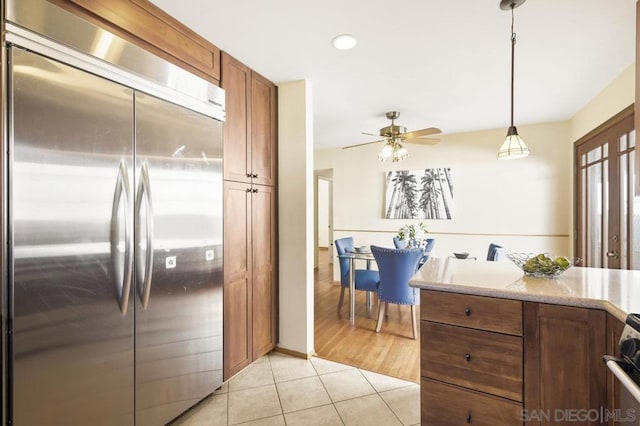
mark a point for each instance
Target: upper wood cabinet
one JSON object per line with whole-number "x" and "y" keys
{"x": 146, "y": 25}
{"x": 250, "y": 145}
{"x": 263, "y": 130}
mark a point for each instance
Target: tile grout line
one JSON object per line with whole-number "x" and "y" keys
{"x": 329, "y": 395}
{"x": 380, "y": 396}
{"x": 319, "y": 376}
{"x": 284, "y": 419}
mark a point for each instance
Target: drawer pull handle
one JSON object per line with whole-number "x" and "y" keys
{"x": 467, "y": 356}
{"x": 469, "y": 418}
{"x": 467, "y": 311}
{"x": 249, "y": 175}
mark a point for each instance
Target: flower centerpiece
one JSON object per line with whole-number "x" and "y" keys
{"x": 414, "y": 236}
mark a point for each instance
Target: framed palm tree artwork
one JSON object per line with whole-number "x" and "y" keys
{"x": 419, "y": 194}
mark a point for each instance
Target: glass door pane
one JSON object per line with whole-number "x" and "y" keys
{"x": 595, "y": 210}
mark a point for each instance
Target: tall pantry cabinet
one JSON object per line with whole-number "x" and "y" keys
{"x": 250, "y": 155}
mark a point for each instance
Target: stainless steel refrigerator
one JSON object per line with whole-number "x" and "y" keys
{"x": 114, "y": 214}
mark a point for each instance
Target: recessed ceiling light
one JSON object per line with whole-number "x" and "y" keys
{"x": 344, "y": 41}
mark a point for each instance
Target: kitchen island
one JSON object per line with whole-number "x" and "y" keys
{"x": 501, "y": 348}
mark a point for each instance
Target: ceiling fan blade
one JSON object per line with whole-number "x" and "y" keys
{"x": 420, "y": 133}
{"x": 423, "y": 141}
{"x": 370, "y": 134}
{"x": 362, "y": 144}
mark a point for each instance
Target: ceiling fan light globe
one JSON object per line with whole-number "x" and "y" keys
{"x": 385, "y": 153}
{"x": 513, "y": 147}
{"x": 400, "y": 153}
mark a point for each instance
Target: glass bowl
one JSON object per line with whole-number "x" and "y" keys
{"x": 542, "y": 265}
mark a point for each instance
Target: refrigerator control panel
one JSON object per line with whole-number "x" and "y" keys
{"x": 208, "y": 255}
{"x": 170, "y": 262}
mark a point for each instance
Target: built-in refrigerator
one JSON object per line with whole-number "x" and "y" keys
{"x": 114, "y": 228}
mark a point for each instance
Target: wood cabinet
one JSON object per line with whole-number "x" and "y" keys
{"x": 444, "y": 405}
{"x": 250, "y": 153}
{"x": 497, "y": 361}
{"x": 476, "y": 359}
{"x": 471, "y": 359}
{"x": 148, "y": 26}
{"x": 563, "y": 358}
{"x": 250, "y": 285}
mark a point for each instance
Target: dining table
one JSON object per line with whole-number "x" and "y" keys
{"x": 354, "y": 255}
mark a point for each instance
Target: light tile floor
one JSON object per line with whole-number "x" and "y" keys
{"x": 282, "y": 390}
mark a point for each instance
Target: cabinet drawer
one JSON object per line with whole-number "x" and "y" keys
{"x": 484, "y": 313}
{"x": 482, "y": 360}
{"x": 444, "y": 405}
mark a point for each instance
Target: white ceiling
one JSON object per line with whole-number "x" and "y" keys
{"x": 440, "y": 63}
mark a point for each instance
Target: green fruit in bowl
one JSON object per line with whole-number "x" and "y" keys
{"x": 562, "y": 262}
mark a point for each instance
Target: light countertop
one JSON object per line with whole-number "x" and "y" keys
{"x": 616, "y": 291}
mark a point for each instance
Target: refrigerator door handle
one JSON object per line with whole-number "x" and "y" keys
{"x": 123, "y": 264}
{"x": 144, "y": 192}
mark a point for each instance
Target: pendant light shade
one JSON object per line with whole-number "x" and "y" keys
{"x": 513, "y": 146}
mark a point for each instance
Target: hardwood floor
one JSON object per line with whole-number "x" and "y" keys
{"x": 392, "y": 352}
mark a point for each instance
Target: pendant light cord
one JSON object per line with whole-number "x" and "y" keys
{"x": 513, "y": 48}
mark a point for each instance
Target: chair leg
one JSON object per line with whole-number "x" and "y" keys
{"x": 369, "y": 301}
{"x": 341, "y": 299}
{"x": 382, "y": 308}
{"x": 414, "y": 323}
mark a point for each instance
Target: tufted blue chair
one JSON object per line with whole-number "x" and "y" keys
{"x": 365, "y": 279}
{"x": 400, "y": 244}
{"x": 494, "y": 253}
{"x": 396, "y": 266}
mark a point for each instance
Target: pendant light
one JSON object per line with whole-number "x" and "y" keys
{"x": 513, "y": 146}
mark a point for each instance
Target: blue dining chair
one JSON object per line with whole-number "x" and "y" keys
{"x": 494, "y": 253}
{"x": 427, "y": 252}
{"x": 365, "y": 279}
{"x": 396, "y": 267}
{"x": 400, "y": 244}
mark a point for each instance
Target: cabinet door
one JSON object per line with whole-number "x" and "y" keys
{"x": 237, "y": 274}
{"x": 263, "y": 214}
{"x": 563, "y": 358}
{"x": 236, "y": 81}
{"x": 263, "y": 130}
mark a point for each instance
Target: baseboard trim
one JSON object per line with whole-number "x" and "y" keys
{"x": 294, "y": 353}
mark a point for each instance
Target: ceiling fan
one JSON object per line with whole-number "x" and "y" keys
{"x": 395, "y": 135}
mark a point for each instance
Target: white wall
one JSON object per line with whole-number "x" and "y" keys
{"x": 323, "y": 213}
{"x": 618, "y": 95}
{"x": 523, "y": 205}
{"x": 295, "y": 216}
